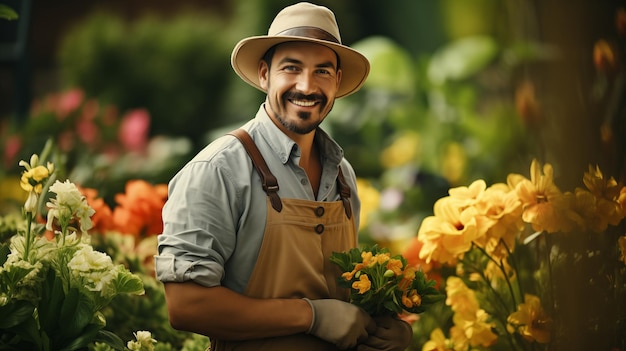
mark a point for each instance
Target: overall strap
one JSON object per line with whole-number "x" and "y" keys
{"x": 270, "y": 183}
{"x": 344, "y": 193}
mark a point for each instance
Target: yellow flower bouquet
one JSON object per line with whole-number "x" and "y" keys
{"x": 383, "y": 284}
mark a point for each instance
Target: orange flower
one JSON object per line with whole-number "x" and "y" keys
{"x": 527, "y": 105}
{"x": 139, "y": 209}
{"x": 102, "y": 219}
{"x": 530, "y": 321}
{"x": 620, "y": 22}
{"x": 411, "y": 253}
{"x": 363, "y": 285}
{"x": 605, "y": 57}
{"x": 350, "y": 275}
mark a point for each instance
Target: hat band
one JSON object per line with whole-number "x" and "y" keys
{"x": 309, "y": 32}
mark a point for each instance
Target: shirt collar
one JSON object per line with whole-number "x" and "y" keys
{"x": 284, "y": 146}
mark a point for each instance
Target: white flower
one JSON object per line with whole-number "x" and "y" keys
{"x": 31, "y": 202}
{"x": 93, "y": 269}
{"x": 69, "y": 202}
{"x": 144, "y": 342}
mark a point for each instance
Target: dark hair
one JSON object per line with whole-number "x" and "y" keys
{"x": 269, "y": 54}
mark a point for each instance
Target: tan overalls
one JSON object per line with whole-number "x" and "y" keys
{"x": 294, "y": 260}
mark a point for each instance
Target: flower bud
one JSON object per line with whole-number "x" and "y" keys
{"x": 389, "y": 273}
{"x": 620, "y": 22}
{"x": 605, "y": 57}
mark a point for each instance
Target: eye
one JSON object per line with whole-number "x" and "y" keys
{"x": 291, "y": 68}
{"x": 323, "y": 71}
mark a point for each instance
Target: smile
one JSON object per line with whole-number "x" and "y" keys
{"x": 303, "y": 103}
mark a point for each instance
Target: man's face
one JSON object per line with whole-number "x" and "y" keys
{"x": 301, "y": 85}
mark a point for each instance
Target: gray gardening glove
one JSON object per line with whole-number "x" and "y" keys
{"x": 392, "y": 334}
{"x": 339, "y": 322}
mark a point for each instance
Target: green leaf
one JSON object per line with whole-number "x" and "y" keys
{"x": 7, "y": 13}
{"x": 110, "y": 339}
{"x": 392, "y": 68}
{"x": 86, "y": 337}
{"x": 51, "y": 301}
{"x": 25, "y": 336}
{"x": 77, "y": 312}
{"x": 4, "y": 253}
{"x": 15, "y": 313}
{"x": 461, "y": 59}
{"x": 128, "y": 283}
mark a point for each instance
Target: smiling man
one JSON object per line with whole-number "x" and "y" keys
{"x": 251, "y": 220}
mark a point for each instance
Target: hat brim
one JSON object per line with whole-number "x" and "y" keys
{"x": 248, "y": 52}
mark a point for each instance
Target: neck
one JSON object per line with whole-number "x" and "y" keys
{"x": 311, "y": 163}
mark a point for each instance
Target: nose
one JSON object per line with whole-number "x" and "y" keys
{"x": 306, "y": 83}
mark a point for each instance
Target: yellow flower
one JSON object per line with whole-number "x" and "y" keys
{"x": 460, "y": 298}
{"x": 395, "y": 265}
{"x": 380, "y": 258}
{"x": 366, "y": 257}
{"x": 450, "y": 232}
{"x": 438, "y": 342}
{"x": 477, "y": 329}
{"x": 350, "y": 275}
{"x": 403, "y": 150}
{"x": 407, "y": 277}
{"x": 530, "y": 321}
{"x": 411, "y": 298}
{"x": 542, "y": 201}
{"x": 32, "y": 179}
{"x": 363, "y": 285}
{"x": 500, "y": 219}
{"x": 607, "y": 193}
{"x": 370, "y": 200}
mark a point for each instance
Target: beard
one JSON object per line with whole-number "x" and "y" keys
{"x": 302, "y": 125}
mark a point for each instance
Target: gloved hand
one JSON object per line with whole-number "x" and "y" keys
{"x": 392, "y": 334}
{"x": 339, "y": 322}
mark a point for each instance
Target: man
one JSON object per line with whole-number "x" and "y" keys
{"x": 251, "y": 221}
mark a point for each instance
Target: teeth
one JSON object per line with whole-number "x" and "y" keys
{"x": 303, "y": 103}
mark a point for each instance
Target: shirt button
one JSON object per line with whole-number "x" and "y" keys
{"x": 319, "y": 211}
{"x": 319, "y": 229}
{"x": 303, "y": 181}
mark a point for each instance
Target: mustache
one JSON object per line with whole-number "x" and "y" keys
{"x": 293, "y": 95}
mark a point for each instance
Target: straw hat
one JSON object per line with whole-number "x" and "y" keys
{"x": 301, "y": 22}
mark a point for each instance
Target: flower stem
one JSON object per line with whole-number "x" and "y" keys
{"x": 506, "y": 277}
{"x": 28, "y": 236}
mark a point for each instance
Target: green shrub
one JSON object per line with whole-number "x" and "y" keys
{"x": 178, "y": 69}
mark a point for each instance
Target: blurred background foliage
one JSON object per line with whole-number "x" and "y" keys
{"x": 459, "y": 90}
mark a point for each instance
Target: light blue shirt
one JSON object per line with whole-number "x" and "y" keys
{"x": 215, "y": 215}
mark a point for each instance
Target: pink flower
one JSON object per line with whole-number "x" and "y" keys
{"x": 133, "y": 132}
{"x": 11, "y": 148}
{"x": 87, "y": 131}
{"x": 68, "y": 102}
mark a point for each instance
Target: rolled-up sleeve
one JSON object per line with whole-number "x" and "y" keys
{"x": 199, "y": 220}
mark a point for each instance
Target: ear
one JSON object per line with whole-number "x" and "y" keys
{"x": 264, "y": 72}
{"x": 339, "y": 74}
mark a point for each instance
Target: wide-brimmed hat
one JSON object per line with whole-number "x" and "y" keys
{"x": 301, "y": 22}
